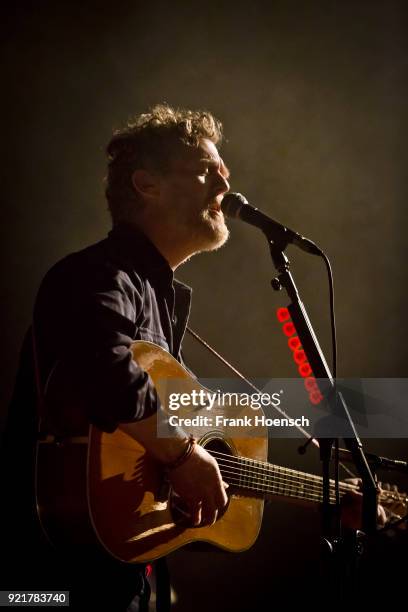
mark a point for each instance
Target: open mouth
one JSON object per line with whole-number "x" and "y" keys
{"x": 215, "y": 212}
{"x": 215, "y": 208}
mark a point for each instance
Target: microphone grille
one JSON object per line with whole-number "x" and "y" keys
{"x": 232, "y": 203}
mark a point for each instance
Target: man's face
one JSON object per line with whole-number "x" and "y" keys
{"x": 191, "y": 192}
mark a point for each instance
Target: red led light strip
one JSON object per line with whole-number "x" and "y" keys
{"x": 299, "y": 356}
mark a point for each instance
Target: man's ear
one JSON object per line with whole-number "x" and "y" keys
{"x": 145, "y": 183}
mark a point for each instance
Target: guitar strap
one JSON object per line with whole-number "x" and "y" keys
{"x": 220, "y": 357}
{"x": 242, "y": 377}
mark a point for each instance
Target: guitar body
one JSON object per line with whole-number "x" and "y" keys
{"x": 104, "y": 489}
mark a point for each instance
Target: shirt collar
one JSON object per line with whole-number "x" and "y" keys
{"x": 137, "y": 249}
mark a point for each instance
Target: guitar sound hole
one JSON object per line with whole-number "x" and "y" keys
{"x": 216, "y": 447}
{"x": 221, "y": 451}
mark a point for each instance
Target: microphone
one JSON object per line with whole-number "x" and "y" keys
{"x": 236, "y": 206}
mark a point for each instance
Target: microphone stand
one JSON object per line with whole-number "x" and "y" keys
{"x": 333, "y": 542}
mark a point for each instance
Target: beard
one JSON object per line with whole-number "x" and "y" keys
{"x": 209, "y": 231}
{"x": 195, "y": 231}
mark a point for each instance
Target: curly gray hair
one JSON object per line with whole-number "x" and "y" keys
{"x": 149, "y": 141}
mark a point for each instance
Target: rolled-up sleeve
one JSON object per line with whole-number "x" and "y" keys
{"x": 87, "y": 325}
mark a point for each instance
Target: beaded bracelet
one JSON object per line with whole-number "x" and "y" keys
{"x": 187, "y": 452}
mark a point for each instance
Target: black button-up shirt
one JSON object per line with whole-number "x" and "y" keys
{"x": 90, "y": 308}
{"x": 92, "y": 305}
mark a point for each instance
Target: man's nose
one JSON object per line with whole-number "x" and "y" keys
{"x": 222, "y": 184}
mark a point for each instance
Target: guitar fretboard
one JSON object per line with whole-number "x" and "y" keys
{"x": 267, "y": 479}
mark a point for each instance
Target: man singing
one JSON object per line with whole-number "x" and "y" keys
{"x": 165, "y": 184}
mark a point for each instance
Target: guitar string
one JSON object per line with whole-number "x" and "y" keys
{"x": 279, "y": 484}
{"x": 279, "y": 481}
{"x": 293, "y": 489}
{"x": 248, "y": 476}
{"x": 310, "y": 495}
{"x": 287, "y": 493}
{"x": 270, "y": 466}
{"x": 384, "y": 496}
{"x": 277, "y": 471}
{"x": 283, "y": 475}
{"x": 274, "y": 469}
{"x": 265, "y": 476}
{"x": 233, "y": 478}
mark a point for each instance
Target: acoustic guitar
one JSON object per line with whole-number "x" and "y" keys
{"x": 104, "y": 490}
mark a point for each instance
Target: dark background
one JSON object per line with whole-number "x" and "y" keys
{"x": 313, "y": 100}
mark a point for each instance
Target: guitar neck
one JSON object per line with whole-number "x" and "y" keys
{"x": 267, "y": 479}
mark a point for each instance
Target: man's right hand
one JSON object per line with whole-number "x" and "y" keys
{"x": 197, "y": 481}
{"x": 199, "y": 484}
